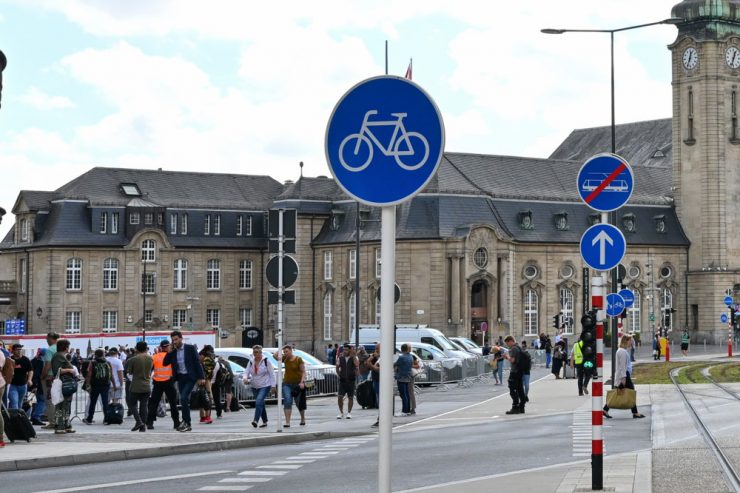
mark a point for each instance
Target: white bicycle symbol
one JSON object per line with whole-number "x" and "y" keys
{"x": 403, "y": 144}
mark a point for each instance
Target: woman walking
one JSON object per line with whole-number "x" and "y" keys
{"x": 623, "y": 372}
{"x": 498, "y": 373}
{"x": 294, "y": 385}
{"x": 210, "y": 368}
{"x": 260, "y": 374}
{"x": 558, "y": 356}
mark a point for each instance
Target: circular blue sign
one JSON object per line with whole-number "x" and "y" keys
{"x": 723, "y": 318}
{"x": 728, "y": 300}
{"x": 628, "y": 296}
{"x": 614, "y": 305}
{"x": 384, "y": 140}
{"x": 603, "y": 246}
{"x": 605, "y": 182}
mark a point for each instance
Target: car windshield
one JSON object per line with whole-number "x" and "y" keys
{"x": 236, "y": 367}
{"x": 445, "y": 343}
{"x": 308, "y": 358}
{"x": 467, "y": 343}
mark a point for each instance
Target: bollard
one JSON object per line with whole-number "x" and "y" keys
{"x": 667, "y": 353}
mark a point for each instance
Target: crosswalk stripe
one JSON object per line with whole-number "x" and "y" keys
{"x": 245, "y": 480}
{"x": 281, "y": 466}
{"x": 224, "y": 488}
{"x": 262, "y": 473}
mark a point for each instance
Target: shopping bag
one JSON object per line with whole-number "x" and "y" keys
{"x": 621, "y": 399}
{"x": 56, "y": 391}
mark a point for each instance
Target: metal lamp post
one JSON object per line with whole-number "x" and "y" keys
{"x": 3, "y": 64}
{"x": 613, "y": 215}
{"x": 143, "y": 293}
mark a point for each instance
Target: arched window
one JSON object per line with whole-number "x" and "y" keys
{"x": 352, "y": 319}
{"x": 180, "y": 274}
{"x": 74, "y": 274}
{"x": 633, "y": 314}
{"x": 148, "y": 250}
{"x": 245, "y": 274}
{"x": 110, "y": 274}
{"x": 566, "y": 308}
{"x": 213, "y": 274}
{"x": 530, "y": 313}
{"x": 327, "y": 316}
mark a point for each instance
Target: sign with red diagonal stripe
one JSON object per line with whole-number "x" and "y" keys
{"x": 605, "y": 182}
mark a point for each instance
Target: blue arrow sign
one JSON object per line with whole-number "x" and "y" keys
{"x": 605, "y": 182}
{"x": 614, "y": 305}
{"x": 384, "y": 140}
{"x": 603, "y": 246}
{"x": 728, "y": 300}
{"x": 628, "y": 297}
{"x": 723, "y": 318}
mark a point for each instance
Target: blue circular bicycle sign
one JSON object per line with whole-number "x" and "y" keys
{"x": 384, "y": 140}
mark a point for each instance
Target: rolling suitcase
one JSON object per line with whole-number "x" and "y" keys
{"x": 17, "y": 425}
{"x": 366, "y": 395}
{"x": 570, "y": 372}
{"x": 114, "y": 416}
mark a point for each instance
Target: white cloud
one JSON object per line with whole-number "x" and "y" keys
{"x": 38, "y": 99}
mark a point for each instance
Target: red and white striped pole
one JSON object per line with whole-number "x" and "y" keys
{"x": 597, "y": 389}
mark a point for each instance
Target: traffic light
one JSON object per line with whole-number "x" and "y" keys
{"x": 667, "y": 319}
{"x": 588, "y": 336}
{"x": 556, "y": 321}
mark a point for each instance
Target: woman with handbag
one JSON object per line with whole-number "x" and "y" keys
{"x": 622, "y": 374}
{"x": 65, "y": 373}
{"x": 260, "y": 374}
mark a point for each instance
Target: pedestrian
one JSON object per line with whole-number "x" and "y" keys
{"x": 294, "y": 385}
{"x": 526, "y": 370}
{"x": 328, "y": 352}
{"x": 546, "y": 344}
{"x": 60, "y": 365}
{"x": 210, "y": 368}
{"x": 48, "y": 378}
{"x": 564, "y": 354}
{"x": 260, "y": 374}
{"x": 524, "y": 345}
{"x": 163, "y": 383}
{"x": 223, "y": 380}
{"x": 37, "y": 413}
{"x": 498, "y": 356}
{"x": 333, "y": 354}
{"x": 373, "y": 363}
{"x": 2, "y": 390}
{"x": 623, "y": 373}
{"x": 98, "y": 380}
{"x": 632, "y": 347}
{"x": 22, "y": 378}
{"x": 139, "y": 367}
{"x": 415, "y": 369}
{"x": 516, "y": 384}
{"x": 116, "y": 384}
{"x": 348, "y": 367}
{"x": 362, "y": 357}
{"x": 188, "y": 371}
{"x": 656, "y": 346}
{"x": 576, "y": 361}
{"x": 402, "y": 369}
{"x": 500, "y": 341}
{"x": 685, "y": 338}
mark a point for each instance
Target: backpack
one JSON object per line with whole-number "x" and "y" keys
{"x": 525, "y": 362}
{"x": 224, "y": 372}
{"x": 101, "y": 374}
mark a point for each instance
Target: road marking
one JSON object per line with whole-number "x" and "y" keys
{"x": 295, "y": 461}
{"x": 134, "y": 481}
{"x": 245, "y": 480}
{"x": 298, "y": 457}
{"x": 582, "y": 433}
{"x": 281, "y": 466}
{"x": 225, "y": 488}
{"x": 262, "y": 473}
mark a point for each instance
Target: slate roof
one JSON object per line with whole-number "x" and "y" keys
{"x": 35, "y": 200}
{"x": 640, "y": 143}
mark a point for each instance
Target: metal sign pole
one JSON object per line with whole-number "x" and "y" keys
{"x": 597, "y": 389}
{"x": 387, "y": 288}
{"x": 281, "y": 291}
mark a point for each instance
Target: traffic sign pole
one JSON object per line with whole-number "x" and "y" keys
{"x": 597, "y": 389}
{"x": 281, "y": 291}
{"x": 387, "y": 288}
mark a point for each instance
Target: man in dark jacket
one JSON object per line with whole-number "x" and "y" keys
{"x": 188, "y": 372}
{"x": 516, "y": 375}
{"x": 40, "y": 407}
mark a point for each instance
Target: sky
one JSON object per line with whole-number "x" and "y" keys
{"x": 238, "y": 86}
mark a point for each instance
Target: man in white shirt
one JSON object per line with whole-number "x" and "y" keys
{"x": 116, "y": 384}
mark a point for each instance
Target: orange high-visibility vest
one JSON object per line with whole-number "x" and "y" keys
{"x": 160, "y": 372}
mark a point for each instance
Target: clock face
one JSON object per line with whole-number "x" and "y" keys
{"x": 732, "y": 57}
{"x": 690, "y": 58}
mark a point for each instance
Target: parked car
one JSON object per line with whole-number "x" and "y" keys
{"x": 325, "y": 375}
{"x": 434, "y": 360}
{"x": 415, "y": 333}
{"x": 469, "y": 345}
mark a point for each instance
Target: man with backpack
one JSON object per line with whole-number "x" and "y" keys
{"x": 222, "y": 385}
{"x": 519, "y": 363}
{"x": 97, "y": 380}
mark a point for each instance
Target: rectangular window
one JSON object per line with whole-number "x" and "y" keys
{"x": 24, "y": 230}
{"x": 148, "y": 316}
{"x": 160, "y": 219}
{"x": 110, "y": 274}
{"x": 148, "y": 283}
{"x": 103, "y": 223}
{"x": 173, "y": 224}
{"x": 178, "y": 319}
{"x": 239, "y": 225}
{"x": 217, "y": 225}
{"x": 351, "y": 310}
{"x": 110, "y": 321}
{"x": 633, "y": 314}
{"x": 530, "y": 313}
{"x": 249, "y": 226}
{"x": 377, "y": 263}
{"x": 74, "y": 274}
{"x": 207, "y": 225}
{"x": 114, "y": 224}
{"x": 213, "y": 274}
{"x": 24, "y": 274}
{"x": 352, "y": 264}
{"x": 180, "y": 274}
{"x": 133, "y": 218}
{"x": 213, "y": 317}
{"x": 327, "y": 266}
{"x": 72, "y": 323}
{"x": 245, "y": 274}
{"x": 327, "y": 316}
{"x": 184, "y": 225}
{"x": 245, "y": 317}
{"x": 148, "y": 218}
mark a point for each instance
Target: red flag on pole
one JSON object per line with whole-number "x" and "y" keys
{"x": 410, "y": 70}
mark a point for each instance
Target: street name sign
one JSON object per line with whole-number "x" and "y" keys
{"x": 603, "y": 246}
{"x": 605, "y": 182}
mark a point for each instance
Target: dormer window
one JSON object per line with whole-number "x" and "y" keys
{"x": 659, "y": 223}
{"x": 130, "y": 190}
{"x": 593, "y": 219}
{"x": 658, "y": 154}
{"x": 628, "y": 223}
{"x": 561, "y": 221}
{"x": 336, "y": 219}
{"x": 525, "y": 220}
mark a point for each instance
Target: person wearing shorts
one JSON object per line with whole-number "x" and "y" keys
{"x": 294, "y": 385}
{"x": 348, "y": 367}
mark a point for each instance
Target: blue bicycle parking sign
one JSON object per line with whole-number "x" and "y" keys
{"x": 384, "y": 140}
{"x": 628, "y": 296}
{"x": 614, "y": 305}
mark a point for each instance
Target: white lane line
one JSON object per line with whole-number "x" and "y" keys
{"x": 281, "y": 466}
{"x": 134, "y": 481}
{"x": 262, "y": 473}
{"x": 299, "y": 458}
{"x": 224, "y": 488}
{"x": 245, "y": 480}
{"x": 320, "y": 451}
{"x": 307, "y": 461}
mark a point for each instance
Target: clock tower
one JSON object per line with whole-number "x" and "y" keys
{"x": 706, "y": 153}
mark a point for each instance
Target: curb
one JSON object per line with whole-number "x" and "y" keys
{"x": 211, "y": 446}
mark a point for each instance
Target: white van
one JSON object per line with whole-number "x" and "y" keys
{"x": 370, "y": 334}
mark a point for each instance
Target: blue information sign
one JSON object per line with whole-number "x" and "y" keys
{"x": 728, "y": 300}
{"x": 15, "y": 327}
{"x": 603, "y": 246}
{"x": 628, "y": 296}
{"x": 605, "y": 182}
{"x": 384, "y": 140}
{"x": 614, "y": 305}
{"x": 723, "y": 318}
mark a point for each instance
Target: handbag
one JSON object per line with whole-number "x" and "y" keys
{"x": 200, "y": 398}
{"x": 69, "y": 386}
{"x": 414, "y": 372}
{"x": 56, "y": 390}
{"x": 621, "y": 398}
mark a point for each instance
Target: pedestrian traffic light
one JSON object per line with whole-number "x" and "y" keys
{"x": 588, "y": 336}
{"x": 556, "y": 321}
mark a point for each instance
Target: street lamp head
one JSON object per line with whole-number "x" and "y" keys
{"x": 552, "y": 31}
{"x": 674, "y": 20}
